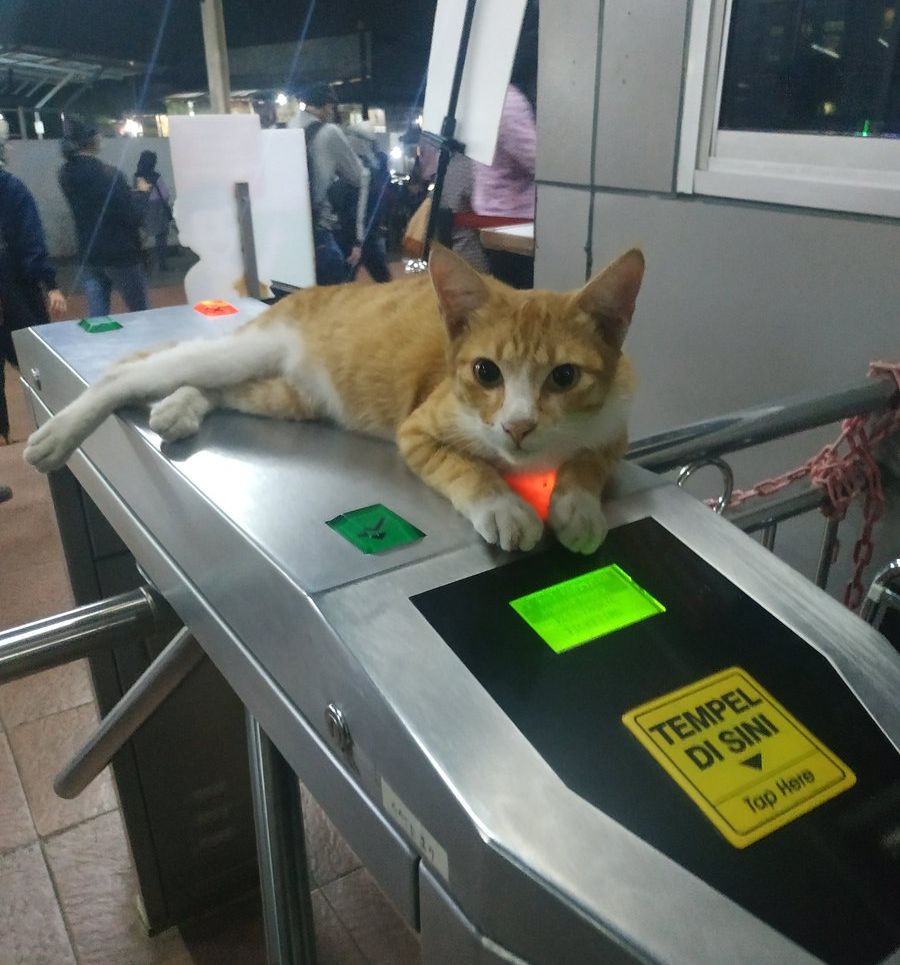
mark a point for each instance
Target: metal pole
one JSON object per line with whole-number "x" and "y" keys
{"x": 23, "y": 124}
{"x": 883, "y": 587}
{"x": 216, "y": 48}
{"x": 248, "y": 243}
{"x": 55, "y": 91}
{"x": 775, "y": 509}
{"x": 826, "y": 554}
{"x": 768, "y": 535}
{"x": 154, "y": 685}
{"x": 448, "y": 127}
{"x": 67, "y": 636}
{"x": 284, "y": 880}
{"x": 750, "y": 427}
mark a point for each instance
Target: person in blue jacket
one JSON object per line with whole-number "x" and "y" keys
{"x": 27, "y": 276}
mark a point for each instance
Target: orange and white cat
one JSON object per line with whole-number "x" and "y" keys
{"x": 472, "y": 378}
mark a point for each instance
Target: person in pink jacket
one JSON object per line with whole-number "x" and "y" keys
{"x": 505, "y": 189}
{"x": 503, "y": 192}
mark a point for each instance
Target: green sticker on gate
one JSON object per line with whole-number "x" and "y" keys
{"x": 375, "y": 529}
{"x": 93, "y": 326}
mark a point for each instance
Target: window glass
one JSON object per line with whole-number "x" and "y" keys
{"x": 813, "y": 66}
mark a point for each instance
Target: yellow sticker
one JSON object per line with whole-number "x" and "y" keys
{"x": 743, "y": 759}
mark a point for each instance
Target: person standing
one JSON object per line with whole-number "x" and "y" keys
{"x": 330, "y": 158}
{"x": 108, "y": 217}
{"x": 504, "y": 192}
{"x": 27, "y": 275}
{"x": 465, "y": 239}
{"x": 374, "y": 245}
{"x": 158, "y": 212}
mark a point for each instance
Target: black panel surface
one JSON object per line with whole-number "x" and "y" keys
{"x": 830, "y": 880}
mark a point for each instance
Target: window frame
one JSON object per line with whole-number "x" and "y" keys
{"x": 858, "y": 175}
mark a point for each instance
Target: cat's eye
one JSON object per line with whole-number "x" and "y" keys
{"x": 564, "y": 376}
{"x": 487, "y": 372}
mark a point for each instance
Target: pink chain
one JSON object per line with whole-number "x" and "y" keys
{"x": 845, "y": 477}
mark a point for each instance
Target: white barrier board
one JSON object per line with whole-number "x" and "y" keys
{"x": 492, "y": 49}
{"x": 210, "y": 154}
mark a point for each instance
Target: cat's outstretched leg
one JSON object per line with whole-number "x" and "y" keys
{"x": 576, "y": 513}
{"x": 203, "y": 364}
{"x": 180, "y": 414}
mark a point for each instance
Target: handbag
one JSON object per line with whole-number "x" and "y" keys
{"x": 414, "y": 236}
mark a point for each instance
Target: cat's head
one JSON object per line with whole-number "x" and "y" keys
{"x": 535, "y": 371}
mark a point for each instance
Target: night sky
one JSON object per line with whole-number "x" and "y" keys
{"x": 128, "y": 30}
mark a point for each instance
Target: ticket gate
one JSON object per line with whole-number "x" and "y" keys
{"x": 675, "y": 750}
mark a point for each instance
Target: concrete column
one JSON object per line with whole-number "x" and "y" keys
{"x": 216, "y": 56}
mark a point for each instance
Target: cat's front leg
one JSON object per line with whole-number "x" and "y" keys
{"x": 576, "y": 510}
{"x": 505, "y": 520}
{"x": 180, "y": 414}
{"x": 473, "y": 485}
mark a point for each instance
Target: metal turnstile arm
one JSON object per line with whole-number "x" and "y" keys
{"x": 154, "y": 685}
{"x": 86, "y": 629}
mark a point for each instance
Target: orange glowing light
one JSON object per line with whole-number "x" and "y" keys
{"x": 214, "y": 307}
{"x": 535, "y": 488}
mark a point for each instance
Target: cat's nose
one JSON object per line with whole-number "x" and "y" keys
{"x": 518, "y": 429}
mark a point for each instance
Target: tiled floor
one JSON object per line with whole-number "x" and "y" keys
{"x": 68, "y": 892}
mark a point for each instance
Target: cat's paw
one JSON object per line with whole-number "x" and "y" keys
{"x": 49, "y": 447}
{"x": 577, "y": 518}
{"x": 179, "y": 415}
{"x": 506, "y": 521}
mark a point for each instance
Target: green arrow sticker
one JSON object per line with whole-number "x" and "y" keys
{"x": 94, "y": 326}
{"x": 375, "y": 529}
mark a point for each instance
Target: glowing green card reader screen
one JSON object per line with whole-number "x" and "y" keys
{"x": 575, "y": 611}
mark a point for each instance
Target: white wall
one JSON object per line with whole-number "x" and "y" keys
{"x": 743, "y": 303}
{"x": 37, "y": 163}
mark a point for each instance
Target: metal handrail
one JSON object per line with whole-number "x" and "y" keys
{"x": 701, "y": 444}
{"x": 710, "y": 438}
{"x": 800, "y": 498}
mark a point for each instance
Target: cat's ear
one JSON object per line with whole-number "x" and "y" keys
{"x": 609, "y": 297}
{"x": 460, "y": 289}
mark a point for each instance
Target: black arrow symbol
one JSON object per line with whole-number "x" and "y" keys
{"x": 755, "y": 762}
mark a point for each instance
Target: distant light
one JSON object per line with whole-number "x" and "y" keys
{"x": 828, "y": 108}
{"x": 883, "y": 42}
{"x": 281, "y": 99}
{"x": 396, "y": 153}
{"x": 419, "y": 120}
{"x": 302, "y": 105}
{"x": 38, "y": 127}
{"x": 190, "y": 108}
{"x": 133, "y": 128}
{"x": 818, "y": 48}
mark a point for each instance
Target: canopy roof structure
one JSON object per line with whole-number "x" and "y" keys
{"x": 32, "y": 77}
